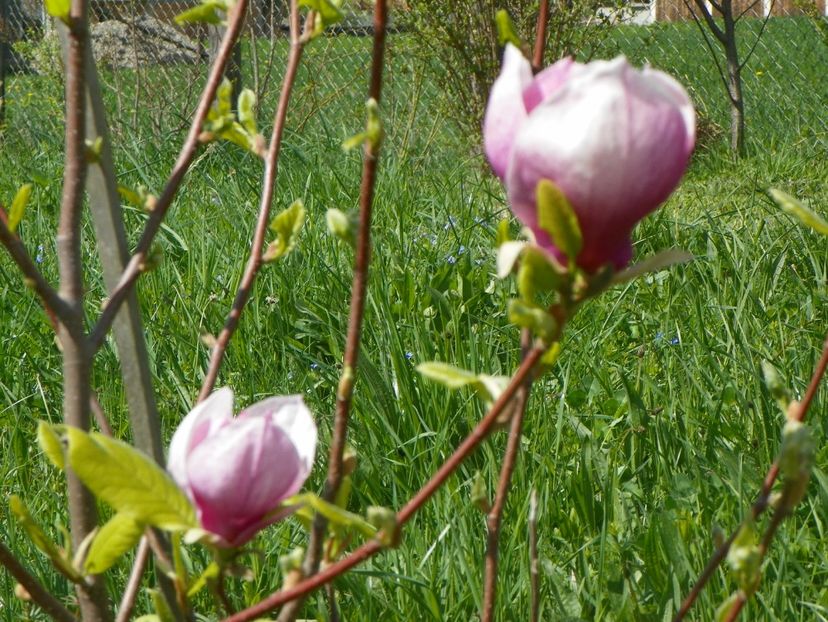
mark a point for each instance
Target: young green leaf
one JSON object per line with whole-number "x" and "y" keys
{"x": 327, "y": 11}
{"x": 333, "y": 513}
{"x": 49, "y": 440}
{"x": 533, "y": 317}
{"x": 286, "y": 225}
{"x": 506, "y": 31}
{"x": 447, "y": 375}
{"x": 655, "y": 263}
{"x": 796, "y": 208}
{"x": 129, "y": 481}
{"x": 59, "y": 9}
{"x": 113, "y": 540}
{"x": 210, "y": 12}
{"x": 42, "y": 541}
{"x": 18, "y": 206}
{"x": 247, "y": 110}
{"x": 558, "y": 219}
{"x": 211, "y": 572}
{"x": 537, "y": 273}
{"x": 341, "y": 225}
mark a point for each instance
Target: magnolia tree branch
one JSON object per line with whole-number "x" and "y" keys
{"x": 39, "y": 594}
{"x": 493, "y": 520}
{"x": 761, "y": 503}
{"x": 53, "y": 303}
{"x": 83, "y": 514}
{"x": 137, "y": 263}
{"x": 540, "y": 35}
{"x": 371, "y": 548}
{"x": 359, "y": 288}
{"x": 134, "y": 582}
{"x": 254, "y": 262}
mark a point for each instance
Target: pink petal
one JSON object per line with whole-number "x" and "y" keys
{"x": 505, "y": 111}
{"x": 214, "y": 412}
{"x": 548, "y": 82}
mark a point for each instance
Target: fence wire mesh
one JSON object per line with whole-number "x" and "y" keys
{"x": 152, "y": 70}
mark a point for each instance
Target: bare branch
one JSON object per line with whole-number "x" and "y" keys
{"x": 53, "y": 303}
{"x": 39, "y": 594}
{"x": 495, "y": 516}
{"x": 134, "y": 583}
{"x": 359, "y": 288}
{"x": 540, "y": 35}
{"x": 761, "y": 503}
{"x": 708, "y": 18}
{"x": 138, "y": 260}
{"x": 758, "y": 36}
{"x": 469, "y": 444}
{"x": 254, "y": 261}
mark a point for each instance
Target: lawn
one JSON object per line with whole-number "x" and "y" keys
{"x": 653, "y": 430}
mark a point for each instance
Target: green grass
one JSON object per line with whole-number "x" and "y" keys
{"x": 654, "y": 426}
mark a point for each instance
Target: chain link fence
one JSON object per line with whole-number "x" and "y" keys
{"x": 153, "y": 71}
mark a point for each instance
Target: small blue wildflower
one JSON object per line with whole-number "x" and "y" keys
{"x": 461, "y": 250}
{"x": 659, "y": 336}
{"x": 39, "y": 256}
{"x": 451, "y": 259}
{"x": 409, "y": 355}
{"x": 450, "y": 224}
{"x": 479, "y": 220}
{"x": 314, "y": 366}
{"x": 674, "y": 341}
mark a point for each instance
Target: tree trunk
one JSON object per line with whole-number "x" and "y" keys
{"x": 734, "y": 82}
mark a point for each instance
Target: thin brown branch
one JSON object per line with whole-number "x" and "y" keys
{"x": 137, "y": 263}
{"x": 359, "y": 288}
{"x": 761, "y": 503}
{"x": 534, "y": 566}
{"x": 53, "y": 303}
{"x": 254, "y": 261}
{"x": 540, "y": 35}
{"x": 369, "y": 549}
{"x": 134, "y": 582}
{"x": 39, "y": 594}
{"x": 83, "y": 514}
{"x": 710, "y": 21}
{"x": 494, "y": 519}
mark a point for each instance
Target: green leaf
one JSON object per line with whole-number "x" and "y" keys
{"x": 723, "y": 611}
{"x": 374, "y": 132}
{"x": 129, "y": 481}
{"x": 286, "y": 225}
{"x": 327, "y": 11}
{"x": 212, "y": 571}
{"x": 18, "y": 206}
{"x": 506, "y": 31}
{"x": 162, "y": 607}
{"x": 42, "y": 541}
{"x": 502, "y": 235}
{"x": 657, "y": 262}
{"x": 558, "y": 219}
{"x": 49, "y": 441}
{"x": 537, "y": 273}
{"x": 59, "y": 9}
{"x": 796, "y": 208}
{"x": 333, "y": 513}
{"x": 533, "y": 317}
{"x": 247, "y": 110}
{"x": 150, "y": 617}
{"x": 205, "y": 13}
{"x": 113, "y": 540}
{"x": 447, "y": 375}
{"x": 341, "y": 225}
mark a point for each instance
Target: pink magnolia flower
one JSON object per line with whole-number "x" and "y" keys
{"x": 237, "y": 470}
{"x": 614, "y": 139}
